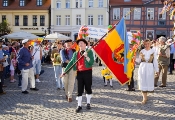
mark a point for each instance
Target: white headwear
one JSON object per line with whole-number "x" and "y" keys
{"x": 162, "y": 39}
{"x": 4, "y": 46}
{"x": 25, "y": 40}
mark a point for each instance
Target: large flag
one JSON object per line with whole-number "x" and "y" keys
{"x": 114, "y": 52}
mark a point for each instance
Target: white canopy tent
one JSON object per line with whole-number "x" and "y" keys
{"x": 20, "y": 35}
{"x": 56, "y": 36}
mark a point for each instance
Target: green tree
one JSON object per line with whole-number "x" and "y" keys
{"x": 4, "y": 27}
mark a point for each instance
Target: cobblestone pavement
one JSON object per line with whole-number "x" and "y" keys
{"x": 107, "y": 103}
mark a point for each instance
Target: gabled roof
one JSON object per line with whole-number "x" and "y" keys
{"x": 122, "y": 2}
{"x": 31, "y": 5}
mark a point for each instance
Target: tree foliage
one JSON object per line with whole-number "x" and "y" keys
{"x": 4, "y": 27}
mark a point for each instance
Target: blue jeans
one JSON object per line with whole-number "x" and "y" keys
{"x": 20, "y": 79}
{"x": 58, "y": 71}
{"x": 37, "y": 66}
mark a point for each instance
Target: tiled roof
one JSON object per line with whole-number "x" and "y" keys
{"x": 122, "y": 2}
{"x": 30, "y": 5}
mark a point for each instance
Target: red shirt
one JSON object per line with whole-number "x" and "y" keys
{"x": 81, "y": 63}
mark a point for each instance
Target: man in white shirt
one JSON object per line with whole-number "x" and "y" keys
{"x": 36, "y": 51}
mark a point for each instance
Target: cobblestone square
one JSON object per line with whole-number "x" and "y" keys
{"x": 107, "y": 103}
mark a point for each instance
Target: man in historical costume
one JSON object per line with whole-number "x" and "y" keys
{"x": 69, "y": 79}
{"x": 84, "y": 72}
{"x": 163, "y": 61}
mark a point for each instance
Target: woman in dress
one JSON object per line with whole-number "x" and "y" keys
{"x": 148, "y": 67}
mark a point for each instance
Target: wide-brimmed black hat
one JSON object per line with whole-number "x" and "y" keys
{"x": 67, "y": 41}
{"x": 83, "y": 41}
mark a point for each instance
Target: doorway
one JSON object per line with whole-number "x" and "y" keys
{"x": 160, "y": 36}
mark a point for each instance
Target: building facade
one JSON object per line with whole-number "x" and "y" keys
{"x": 67, "y": 16}
{"x": 146, "y": 17}
{"x": 26, "y": 15}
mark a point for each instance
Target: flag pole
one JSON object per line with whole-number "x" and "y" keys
{"x": 99, "y": 41}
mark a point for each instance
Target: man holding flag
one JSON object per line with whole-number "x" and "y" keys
{"x": 84, "y": 72}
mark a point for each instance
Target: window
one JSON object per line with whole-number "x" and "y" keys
{"x": 58, "y": 4}
{"x": 78, "y": 19}
{"x": 25, "y": 20}
{"x": 21, "y": 2}
{"x": 39, "y": 2}
{"x": 5, "y": 3}
{"x": 137, "y": 14}
{"x": 150, "y": 13}
{"x": 58, "y": 20}
{"x": 67, "y": 19}
{"x": 3, "y": 18}
{"x": 81, "y": 4}
{"x": 76, "y": 3}
{"x": 100, "y": 3}
{"x": 67, "y": 3}
{"x": 100, "y": 19}
{"x": 171, "y": 34}
{"x": 90, "y": 19}
{"x": 42, "y": 20}
{"x": 161, "y": 16}
{"x": 91, "y": 3}
{"x": 34, "y": 20}
{"x": 16, "y": 20}
{"x": 150, "y": 34}
{"x": 125, "y": 11}
{"x": 116, "y": 13}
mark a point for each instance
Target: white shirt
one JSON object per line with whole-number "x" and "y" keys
{"x": 36, "y": 52}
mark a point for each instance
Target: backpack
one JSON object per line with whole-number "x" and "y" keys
{"x": 67, "y": 57}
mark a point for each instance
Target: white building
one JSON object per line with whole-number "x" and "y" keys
{"x": 67, "y": 16}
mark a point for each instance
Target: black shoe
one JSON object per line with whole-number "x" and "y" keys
{"x": 78, "y": 109}
{"x": 130, "y": 89}
{"x": 35, "y": 89}
{"x": 170, "y": 73}
{"x": 88, "y": 106}
{"x": 111, "y": 86}
{"x": 105, "y": 85}
{"x": 58, "y": 88}
{"x": 162, "y": 86}
{"x": 25, "y": 92}
{"x": 155, "y": 85}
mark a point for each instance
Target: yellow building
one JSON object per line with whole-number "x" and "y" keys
{"x": 69, "y": 15}
{"x": 27, "y": 15}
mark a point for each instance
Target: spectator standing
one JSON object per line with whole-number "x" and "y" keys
{"x": 1, "y": 67}
{"x": 12, "y": 67}
{"x": 26, "y": 67}
{"x": 56, "y": 59}
{"x": 36, "y": 51}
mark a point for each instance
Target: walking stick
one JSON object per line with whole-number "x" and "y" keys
{"x": 97, "y": 42}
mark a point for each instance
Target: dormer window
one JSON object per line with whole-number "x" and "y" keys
{"x": 22, "y": 3}
{"x": 39, "y": 2}
{"x": 5, "y": 3}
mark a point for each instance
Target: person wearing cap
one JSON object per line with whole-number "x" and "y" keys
{"x": 69, "y": 79}
{"x": 1, "y": 68}
{"x": 84, "y": 72}
{"x": 163, "y": 61}
{"x": 26, "y": 67}
{"x": 172, "y": 51}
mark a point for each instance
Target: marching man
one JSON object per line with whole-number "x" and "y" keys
{"x": 84, "y": 72}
